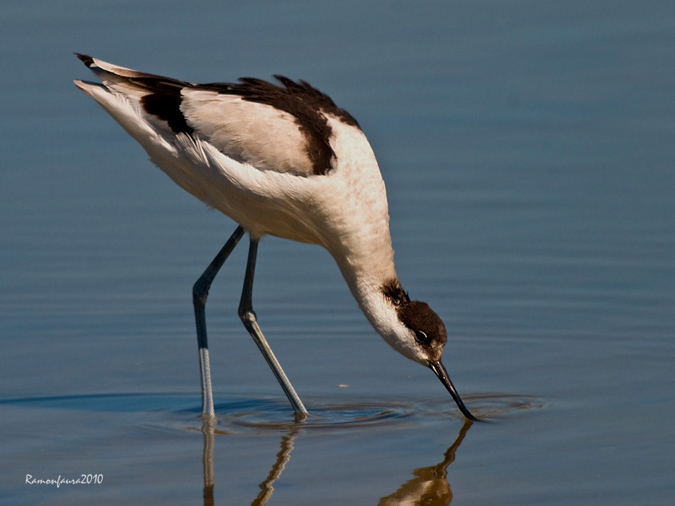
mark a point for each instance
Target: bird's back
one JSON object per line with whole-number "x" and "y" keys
{"x": 280, "y": 159}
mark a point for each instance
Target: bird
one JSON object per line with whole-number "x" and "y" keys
{"x": 280, "y": 159}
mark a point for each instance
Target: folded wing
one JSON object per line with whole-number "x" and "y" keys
{"x": 271, "y": 127}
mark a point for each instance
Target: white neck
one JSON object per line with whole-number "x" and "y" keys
{"x": 366, "y": 275}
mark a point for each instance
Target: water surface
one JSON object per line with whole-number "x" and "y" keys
{"x": 528, "y": 153}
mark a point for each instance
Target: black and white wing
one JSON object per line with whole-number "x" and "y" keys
{"x": 283, "y": 127}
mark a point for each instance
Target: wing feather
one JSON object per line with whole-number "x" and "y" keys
{"x": 249, "y": 132}
{"x": 270, "y": 127}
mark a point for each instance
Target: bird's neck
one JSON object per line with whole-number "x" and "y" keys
{"x": 368, "y": 267}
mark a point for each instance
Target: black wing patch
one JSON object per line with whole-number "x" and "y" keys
{"x": 163, "y": 99}
{"x": 306, "y": 104}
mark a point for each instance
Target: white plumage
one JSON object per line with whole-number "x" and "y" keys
{"x": 284, "y": 161}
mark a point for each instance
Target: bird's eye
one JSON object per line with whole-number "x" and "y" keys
{"x": 421, "y": 336}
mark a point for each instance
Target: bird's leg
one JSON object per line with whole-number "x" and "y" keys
{"x": 200, "y": 292}
{"x": 251, "y": 323}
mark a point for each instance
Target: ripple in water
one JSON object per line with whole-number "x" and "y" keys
{"x": 365, "y": 414}
{"x": 277, "y": 414}
{"x": 490, "y": 407}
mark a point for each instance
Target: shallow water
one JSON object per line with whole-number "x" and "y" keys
{"x": 528, "y": 155}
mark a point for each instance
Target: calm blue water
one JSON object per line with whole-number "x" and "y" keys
{"x": 528, "y": 153}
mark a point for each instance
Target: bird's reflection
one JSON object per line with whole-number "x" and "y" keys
{"x": 283, "y": 457}
{"x": 208, "y": 429}
{"x": 266, "y": 487}
{"x": 429, "y": 487}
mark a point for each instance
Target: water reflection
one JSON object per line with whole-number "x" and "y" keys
{"x": 283, "y": 457}
{"x": 209, "y": 431}
{"x": 266, "y": 487}
{"x": 429, "y": 486}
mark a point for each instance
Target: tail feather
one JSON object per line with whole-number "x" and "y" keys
{"x": 125, "y": 110}
{"x": 130, "y": 96}
{"x": 128, "y": 81}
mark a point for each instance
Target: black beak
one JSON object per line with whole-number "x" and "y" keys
{"x": 439, "y": 370}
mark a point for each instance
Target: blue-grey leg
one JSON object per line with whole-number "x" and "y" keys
{"x": 200, "y": 292}
{"x": 251, "y": 323}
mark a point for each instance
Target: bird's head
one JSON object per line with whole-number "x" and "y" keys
{"x": 419, "y": 334}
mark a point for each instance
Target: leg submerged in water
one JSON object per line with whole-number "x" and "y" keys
{"x": 200, "y": 292}
{"x": 250, "y": 321}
